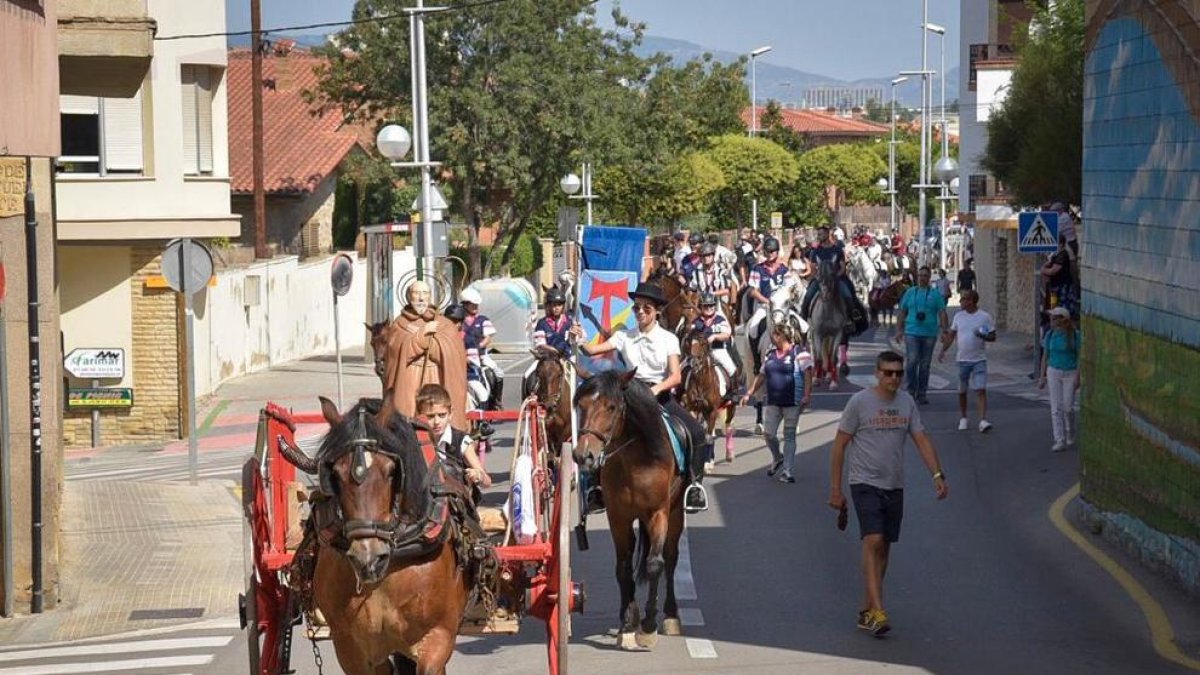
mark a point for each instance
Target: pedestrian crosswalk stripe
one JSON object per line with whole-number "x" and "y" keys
{"x": 117, "y": 648}
{"x": 701, "y": 649}
{"x": 110, "y": 666}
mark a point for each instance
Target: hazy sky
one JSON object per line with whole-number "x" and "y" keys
{"x": 846, "y": 39}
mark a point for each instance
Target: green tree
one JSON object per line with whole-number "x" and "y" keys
{"x": 771, "y": 127}
{"x": 1035, "y": 138}
{"x": 683, "y": 188}
{"x": 847, "y": 172}
{"x": 878, "y": 112}
{"x": 753, "y": 168}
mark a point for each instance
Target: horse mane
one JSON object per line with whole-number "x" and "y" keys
{"x": 396, "y": 436}
{"x": 643, "y": 414}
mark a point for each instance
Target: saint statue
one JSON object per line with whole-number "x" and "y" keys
{"x": 424, "y": 348}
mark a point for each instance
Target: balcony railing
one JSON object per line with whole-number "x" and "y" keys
{"x": 985, "y": 53}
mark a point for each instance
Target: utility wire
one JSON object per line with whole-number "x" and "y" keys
{"x": 331, "y": 24}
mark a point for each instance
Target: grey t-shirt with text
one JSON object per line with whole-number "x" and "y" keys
{"x": 880, "y": 428}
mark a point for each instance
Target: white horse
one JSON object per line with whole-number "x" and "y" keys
{"x": 862, "y": 272}
{"x": 784, "y": 307}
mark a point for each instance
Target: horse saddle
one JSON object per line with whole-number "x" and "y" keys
{"x": 681, "y": 441}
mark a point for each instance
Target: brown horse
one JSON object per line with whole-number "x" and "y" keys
{"x": 621, "y": 428}
{"x": 550, "y": 383}
{"x": 702, "y": 391}
{"x": 883, "y": 302}
{"x": 681, "y": 307}
{"x": 384, "y": 605}
{"x": 380, "y": 334}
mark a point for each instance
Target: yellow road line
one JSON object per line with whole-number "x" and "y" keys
{"x": 1161, "y": 632}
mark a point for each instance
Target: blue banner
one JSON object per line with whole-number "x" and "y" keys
{"x": 604, "y": 301}
{"x": 613, "y": 248}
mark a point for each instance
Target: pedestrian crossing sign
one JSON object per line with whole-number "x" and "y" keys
{"x": 1037, "y": 232}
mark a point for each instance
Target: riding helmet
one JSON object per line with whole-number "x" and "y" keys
{"x": 707, "y": 299}
{"x": 696, "y": 239}
{"x": 470, "y": 295}
{"x": 771, "y": 244}
{"x": 555, "y": 296}
{"x": 708, "y": 249}
{"x": 714, "y": 238}
{"x": 456, "y": 313}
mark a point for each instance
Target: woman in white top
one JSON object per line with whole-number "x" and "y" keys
{"x": 654, "y": 352}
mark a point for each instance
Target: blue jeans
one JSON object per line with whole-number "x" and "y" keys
{"x": 918, "y": 353}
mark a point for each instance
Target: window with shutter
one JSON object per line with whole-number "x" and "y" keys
{"x": 198, "y": 84}
{"x": 122, "y": 121}
{"x": 80, "y": 134}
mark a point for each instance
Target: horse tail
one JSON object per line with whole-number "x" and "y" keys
{"x": 642, "y": 553}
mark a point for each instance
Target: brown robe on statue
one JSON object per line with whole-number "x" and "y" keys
{"x": 415, "y": 359}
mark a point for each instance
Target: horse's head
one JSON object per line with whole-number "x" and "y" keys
{"x": 380, "y": 333}
{"x": 696, "y": 345}
{"x": 375, "y": 471}
{"x": 601, "y": 403}
{"x": 549, "y": 379}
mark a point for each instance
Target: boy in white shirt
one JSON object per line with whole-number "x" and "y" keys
{"x": 973, "y": 328}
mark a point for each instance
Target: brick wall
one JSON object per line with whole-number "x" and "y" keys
{"x": 1140, "y": 428}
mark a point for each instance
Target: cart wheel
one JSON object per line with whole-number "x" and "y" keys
{"x": 249, "y": 610}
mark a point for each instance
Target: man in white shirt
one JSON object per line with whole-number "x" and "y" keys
{"x": 973, "y": 328}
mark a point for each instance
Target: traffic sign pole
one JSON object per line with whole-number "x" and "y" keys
{"x": 5, "y": 455}
{"x": 95, "y": 419}
{"x": 185, "y": 265}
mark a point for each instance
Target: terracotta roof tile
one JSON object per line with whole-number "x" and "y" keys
{"x": 820, "y": 123}
{"x": 302, "y": 143}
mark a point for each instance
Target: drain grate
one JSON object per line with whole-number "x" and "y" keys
{"x": 160, "y": 614}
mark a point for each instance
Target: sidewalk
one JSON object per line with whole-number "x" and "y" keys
{"x": 158, "y": 552}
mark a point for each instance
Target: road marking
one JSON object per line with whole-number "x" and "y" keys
{"x": 117, "y": 648}
{"x": 1161, "y": 633}
{"x": 209, "y": 624}
{"x": 699, "y": 648}
{"x": 210, "y": 418}
{"x": 691, "y": 616}
{"x": 109, "y": 666}
{"x": 685, "y": 586}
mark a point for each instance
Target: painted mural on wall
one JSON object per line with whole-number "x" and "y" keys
{"x": 1141, "y": 269}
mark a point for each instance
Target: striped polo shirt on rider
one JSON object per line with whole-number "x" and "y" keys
{"x": 475, "y": 329}
{"x": 710, "y": 279}
{"x": 707, "y": 328}
{"x": 549, "y": 331}
{"x": 783, "y": 374}
{"x": 766, "y": 278}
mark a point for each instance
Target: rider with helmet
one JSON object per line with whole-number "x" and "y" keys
{"x": 653, "y": 353}
{"x": 552, "y": 330}
{"x": 682, "y": 249}
{"x": 766, "y": 276}
{"x": 719, "y": 334}
{"x": 831, "y": 251}
{"x": 711, "y": 276}
{"x": 725, "y": 257}
{"x": 478, "y": 333}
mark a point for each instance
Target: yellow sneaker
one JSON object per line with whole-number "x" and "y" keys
{"x": 874, "y": 621}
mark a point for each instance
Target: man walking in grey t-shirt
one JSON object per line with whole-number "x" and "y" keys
{"x": 875, "y": 425}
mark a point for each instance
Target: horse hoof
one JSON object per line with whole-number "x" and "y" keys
{"x": 672, "y": 627}
{"x": 628, "y": 642}
{"x": 646, "y": 640}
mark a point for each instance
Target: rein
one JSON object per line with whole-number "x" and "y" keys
{"x": 607, "y": 439}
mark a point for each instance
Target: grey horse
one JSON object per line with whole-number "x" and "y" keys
{"x": 827, "y": 322}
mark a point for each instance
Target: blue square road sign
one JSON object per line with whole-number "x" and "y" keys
{"x": 1037, "y": 232}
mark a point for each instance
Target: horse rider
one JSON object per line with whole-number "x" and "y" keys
{"x": 766, "y": 276}
{"x": 653, "y": 352}
{"x": 682, "y": 250}
{"x": 691, "y": 261}
{"x": 552, "y": 330}
{"x": 719, "y": 334}
{"x": 478, "y": 333}
{"x": 711, "y": 276}
{"x": 747, "y": 255}
{"x": 831, "y": 251}
{"x": 725, "y": 257}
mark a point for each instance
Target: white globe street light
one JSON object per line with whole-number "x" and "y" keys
{"x": 393, "y": 142}
{"x": 954, "y": 185}
{"x": 570, "y": 184}
{"x": 882, "y": 184}
{"x": 945, "y": 169}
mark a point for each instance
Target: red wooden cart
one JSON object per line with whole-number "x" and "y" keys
{"x": 536, "y": 571}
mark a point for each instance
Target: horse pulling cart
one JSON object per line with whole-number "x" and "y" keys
{"x": 533, "y": 572}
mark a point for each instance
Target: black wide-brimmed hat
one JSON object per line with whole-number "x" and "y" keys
{"x": 651, "y": 292}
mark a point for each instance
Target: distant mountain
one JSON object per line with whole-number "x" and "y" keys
{"x": 781, "y": 83}
{"x": 789, "y": 85}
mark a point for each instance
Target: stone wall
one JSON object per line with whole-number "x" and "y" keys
{"x": 1140, "y": 429}
{"x": 300, "y": 224}
{"x": 1006, "y": 279}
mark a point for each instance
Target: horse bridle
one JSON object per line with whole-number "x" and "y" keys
{"x": 355, "y": 529}
{"x": 607, "y": 439}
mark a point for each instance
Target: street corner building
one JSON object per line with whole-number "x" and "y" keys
{"x": 1140, "y": 444}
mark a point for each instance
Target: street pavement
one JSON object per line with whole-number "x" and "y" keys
{"x": 982, "y": 582}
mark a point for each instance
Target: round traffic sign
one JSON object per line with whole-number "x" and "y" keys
{"x": 342, "y": 274}
{"x": 189, "y": 255}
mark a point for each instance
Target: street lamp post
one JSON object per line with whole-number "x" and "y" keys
{"x": 892, "y": 158}
{"x": 946, "y": 168}
{"x": 571, "y": 184}
{"x": 754, "y": 54}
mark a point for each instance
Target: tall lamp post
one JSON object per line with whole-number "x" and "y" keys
{"x": 891, "y": 191}
{"x": 571, "y": 184}
{"x": 393, "y": 141}
{"x": 754, "y": 54}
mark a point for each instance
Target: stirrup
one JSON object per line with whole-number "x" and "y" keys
{"x": 594, "y": 500}
{"x": 695, "y": 498}
{"x": 316, "y": 628}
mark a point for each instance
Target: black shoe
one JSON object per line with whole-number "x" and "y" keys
{"x": 695, "y": 499}
{"x": 595, "y": 500}
{"x": 774, "y": 467}
{"x": 923, "y": 400}
{"x": 485, "y": 429}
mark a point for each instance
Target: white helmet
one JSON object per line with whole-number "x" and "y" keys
{"x": 470, "y": 295}
{"x": 839, "y": 234}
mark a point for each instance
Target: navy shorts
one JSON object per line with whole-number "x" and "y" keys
{"x": 879, "y": 511}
